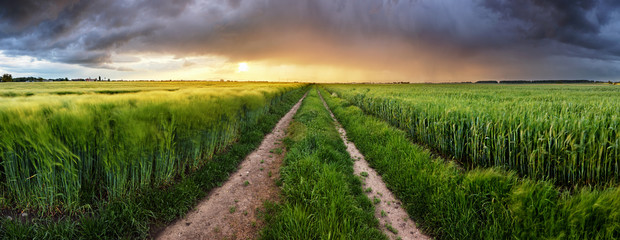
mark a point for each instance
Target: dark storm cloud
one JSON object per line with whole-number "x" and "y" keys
{"x": 440, "y": 38}
{"x": 578, "y": 22}
{"x": 19, "y": 14}
{"x": 79, "y": 32}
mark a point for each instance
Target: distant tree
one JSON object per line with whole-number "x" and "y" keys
{"x": 7, "y": 77}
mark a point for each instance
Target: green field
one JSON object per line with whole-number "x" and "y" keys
{"x": 323, "y": 198}
{"x": 468, "y": 161}
{"x": 80, "y": 88}
{"x": 482, "y": 203}
{"x": 62, "y": 152}
{"x": 135, "y": 156}
{"x": 566, "y": 133}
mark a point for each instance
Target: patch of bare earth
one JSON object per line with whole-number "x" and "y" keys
{"x": 394, "y": 220}
{"x": 230, "y": 211}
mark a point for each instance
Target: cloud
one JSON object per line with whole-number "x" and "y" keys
{"x": 188, "y": 63}
{"x": 80, "y": 32}
{"x": 17, "y": 15}
{"x": 579, "y": 23}
{"x": 124, "y": 69}
{"x": 426, "y": 40}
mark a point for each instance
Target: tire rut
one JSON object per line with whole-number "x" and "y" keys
{"x": 393, "y": 218}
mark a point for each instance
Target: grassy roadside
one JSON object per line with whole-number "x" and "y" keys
{"x": 478, "y": 204}
{"x": 323, "y": 199}
{"x": 137, "y": 216}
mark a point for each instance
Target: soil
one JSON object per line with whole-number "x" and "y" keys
{"x": 232, "y": 210}
{"x": 389, "y": 210}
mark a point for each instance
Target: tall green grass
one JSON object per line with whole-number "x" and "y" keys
{"x": 64, "y": 153}
{"x": 479, "y": 204}
{"x": 322, "y": 197}
{"x": 567, "y": 133}
{"x": 139, "y": 215}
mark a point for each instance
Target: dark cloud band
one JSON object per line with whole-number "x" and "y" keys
{"x": 484, "y": 38}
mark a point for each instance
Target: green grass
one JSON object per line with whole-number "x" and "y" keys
{"x": 153, "y": 207}
{"x": 491, "y": 203}
{"x": 322, "y": 197}
{"x": 391, "y": 228}
{"x": 566, "y": 133}
{"x": 278, "y": 151}
{"x": 60, "y": 154}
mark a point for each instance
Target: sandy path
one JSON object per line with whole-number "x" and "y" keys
{"x": 230, "y": 211}
{"x": 389, "y": 210}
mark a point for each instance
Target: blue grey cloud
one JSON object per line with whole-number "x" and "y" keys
{"x": 509, "y": 38}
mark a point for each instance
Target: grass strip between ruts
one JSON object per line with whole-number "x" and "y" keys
{"x": 322, "y": 197}
{"x": 135, "y": 217}
{"x": 479, "y": 204}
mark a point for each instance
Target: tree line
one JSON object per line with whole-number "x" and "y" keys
{"x": 9, "y": 78}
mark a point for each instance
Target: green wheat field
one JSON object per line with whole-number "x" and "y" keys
{"x": 113, "y": 160}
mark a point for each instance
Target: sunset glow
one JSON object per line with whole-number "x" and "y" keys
{"x": 243, "y": 67}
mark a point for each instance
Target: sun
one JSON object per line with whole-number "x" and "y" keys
{"x": 243, "y": 67}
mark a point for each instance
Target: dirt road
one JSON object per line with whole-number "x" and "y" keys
{"x": 393, "y": 218}
{"x": 230, "y": 211}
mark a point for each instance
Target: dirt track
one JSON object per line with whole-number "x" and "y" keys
{"x": 230, "y": 211}
{"x": 389, "y": 210}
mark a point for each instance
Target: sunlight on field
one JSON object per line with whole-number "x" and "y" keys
{"x": 66, "y": 140}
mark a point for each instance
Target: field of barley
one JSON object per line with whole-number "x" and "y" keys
{"x": 73, "y": 149}
{"x": 566, "y": 133}
{"x": 465, "y": 161}
{"x": 493, "y": 161}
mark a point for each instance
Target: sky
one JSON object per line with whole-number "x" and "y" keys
{"x": 312, "y": 40}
